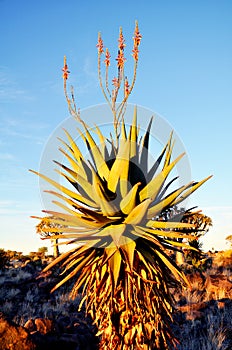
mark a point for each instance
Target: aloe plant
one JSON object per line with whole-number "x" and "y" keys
{"x": 114, "y": 212}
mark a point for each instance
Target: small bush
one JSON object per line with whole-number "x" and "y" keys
{"x": 4, "y": 259}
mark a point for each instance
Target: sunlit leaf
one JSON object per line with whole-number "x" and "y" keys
{"x": 152, "y": 189}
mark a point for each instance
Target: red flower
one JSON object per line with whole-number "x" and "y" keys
{"x": 137, "y": 36}
{"x": 121, "y": 59}
{"x": 135, "y": 53}
{"x": 100, "y": 44}
{"x": 121, "y": 41}
{"x": 126, "y": 87}
{"x": 65, "y": 70}
{"x": 115, "y": 82}
{"x": 107, "y": 60}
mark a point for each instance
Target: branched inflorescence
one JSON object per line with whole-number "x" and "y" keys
{"x": 119, "y": 82}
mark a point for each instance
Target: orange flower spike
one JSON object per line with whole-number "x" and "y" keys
{"x": 107, "y": 59}
{"x": 121, "y": 40}
{"x": 137, "y": 36}
{"x": 100, "y": 44}
{"x": 115, "y": 82}
{"x": 135, "y": 53}
{"x": 65, "y": 69}
{"x": 126, "y": 87}
{"x": 121, "y": 59}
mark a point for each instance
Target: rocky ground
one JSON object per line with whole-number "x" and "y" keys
{"x": 32, "y": 318}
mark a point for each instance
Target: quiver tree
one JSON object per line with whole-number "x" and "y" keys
{"x": 49, "y": 228}
{"x": 114, "y": 211}
{"x": 202, "y": 223}
{"x": 229, "y": 239}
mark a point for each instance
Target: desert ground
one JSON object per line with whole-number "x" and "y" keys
{"x": 33, "y": 318}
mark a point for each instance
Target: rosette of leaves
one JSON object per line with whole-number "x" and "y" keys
{"x": 113, "y": 208}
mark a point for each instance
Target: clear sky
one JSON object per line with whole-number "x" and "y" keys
{"x": 184, "y": 74}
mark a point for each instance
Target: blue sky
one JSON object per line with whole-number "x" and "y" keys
{"x": 184, "y": 74}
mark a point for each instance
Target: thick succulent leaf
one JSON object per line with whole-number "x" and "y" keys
{"x": 146, "y": 235}
{"x": 77, "y": 162}
{"x": 146, "y": 138}
{"x": 97, "y": 156}
{"x": 138, "y": 213}
{"x": 156, "y": 165}
{"x": 128, "y": 203}
{"x": 76, "y": 258}
{"x": 152, "y": 189}
{"x": 179, "y": 275}
{"x": 108, "y": 252}
{"x": 190, "y": 191}
{"x": 69, "y": 171}
{"x": 115, "y": 232}
{"x": 76, "y": 151}
{"x": 164, "y": 233}
{"x": 85, "y": 261}
{"x": 120, "y": 168}
{"x": 102, "y": 145}
{"x": 106, "y": 205}
{"x": 114, "y": 263}
{"x": 60, "y": 258}
{"x": 67, "y": 146}
{"x": 87, "y": 212}
{"x": 166, "y": 202}
{"x": 169, "y": 224}
{"x": 123, "y": 131}
{"x": 84, "y": 187}
{"x": 66, "y": 191}
{"x": 97, "y": 216}
{"x": 79, "y": 218}
{"x": 74, "y": 164}
{"x": 96, "y": 241}
{"x": 113, "y": 149}
{"x": 81, "y": 251}
{"x": 169, "y": 150}
{"x": 71, "y": 233}
{"x": 164, "y": 190}
{"x": 149, "y": 260}
{"x": 144, "y": 151}
{"x": 133, "y": 135}
{"x": 181, "y": 245}
{"x": 128, "y": 246}
{"x": 145, "y": 261}
{"x": 82, "y": 280}
{"x": 124, "y": 178}
{"x": 69, "y": 221}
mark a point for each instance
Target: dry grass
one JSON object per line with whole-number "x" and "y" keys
{"x": 204, "y": 321}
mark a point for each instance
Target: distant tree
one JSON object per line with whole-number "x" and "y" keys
{"x": 43, "y": 251}
{"x": 229, "y": 240}
{"x": 202, "y": 224}
{"x": 4, "y": 259}
{"x": 33, "y": 255}
{"x": 47, "y": 228}
{"x": 12, "y": 254}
